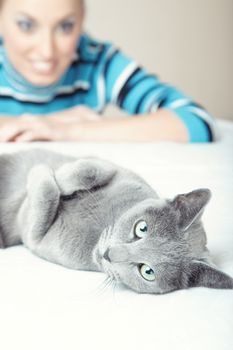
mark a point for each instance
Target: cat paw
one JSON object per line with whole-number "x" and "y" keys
{"x": 41, "y": 181}
{"x": 75, "y": 176}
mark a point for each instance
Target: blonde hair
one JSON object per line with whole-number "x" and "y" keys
{"x": 82, "y": 3}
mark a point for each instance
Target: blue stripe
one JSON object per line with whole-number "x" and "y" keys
{"x": 116, "y": 67}
{"x": 197, "y": 128}
{"x": 137, "y": 96}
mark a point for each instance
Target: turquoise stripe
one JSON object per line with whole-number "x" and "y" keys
{"x": 116, "y": 67}
{"x": 197, "y": 129}
{"x": 134, "y": 96}
{"x": 172, "y": 94}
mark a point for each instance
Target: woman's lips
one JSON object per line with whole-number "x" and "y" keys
{"x": 45, "y": 68}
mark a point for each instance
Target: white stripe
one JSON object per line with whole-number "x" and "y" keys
{"x": 196, "y": 110}
{"x": 199, "y": 112}
{"x": 5, "y": 91}
{"x": 179, "y": 103}
{"x": 154, "y": 108}
{"x": 77, "y": 84}
{"x": 101, "y": 91}
{"x": 152, "y": 103}
{"x": 208, "y": 119}
{"x": 122, "y": 79}
{"x": 101, "y": 86}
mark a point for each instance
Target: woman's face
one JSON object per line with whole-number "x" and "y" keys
{"x": 40, "y": 36}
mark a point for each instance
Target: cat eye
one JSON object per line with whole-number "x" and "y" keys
{"x": 140, "y": 229}
{"x": 147, "y": 272}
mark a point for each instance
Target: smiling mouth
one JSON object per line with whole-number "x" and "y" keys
{"x": 43, "y": 67}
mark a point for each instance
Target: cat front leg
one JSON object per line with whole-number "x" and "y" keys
{"x": 41, "y": 204}
{"x": 84, "y": 174}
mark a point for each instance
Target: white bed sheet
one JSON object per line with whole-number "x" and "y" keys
{"x": 45, "y": 306}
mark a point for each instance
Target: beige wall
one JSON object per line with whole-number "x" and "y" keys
{"x": 188, "y": 43}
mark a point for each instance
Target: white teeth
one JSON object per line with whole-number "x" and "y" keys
{"x": 43, "y": 66}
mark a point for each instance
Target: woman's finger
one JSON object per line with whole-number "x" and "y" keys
{"x": 15, "y": 126}
{"x": 32, "y": 135}
{"x": 9, "y": 131}
{"x": 26, "y": 128}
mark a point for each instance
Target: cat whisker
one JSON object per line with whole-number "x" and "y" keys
{"x": 104, "y": 286}
{"x": 114, "y": 290}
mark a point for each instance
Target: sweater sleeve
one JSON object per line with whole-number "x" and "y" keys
{"x": 131, "y": 88}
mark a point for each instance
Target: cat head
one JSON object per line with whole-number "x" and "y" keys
{"x": 159, "y": 246}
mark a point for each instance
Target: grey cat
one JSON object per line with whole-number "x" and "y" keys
{"x": 90, "y": 214}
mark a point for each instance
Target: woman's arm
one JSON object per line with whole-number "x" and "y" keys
{"x": 82, "y": 124}
{"x": 158, "y": 112}
{"x": 160, "y": 126}
{"x": 53, "y": 127}
{"x": 133, "y": 89}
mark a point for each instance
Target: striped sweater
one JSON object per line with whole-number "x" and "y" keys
{"x": 99, "y": 75}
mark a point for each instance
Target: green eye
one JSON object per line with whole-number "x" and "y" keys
{"x": 146, "y": 272}
{"x": 140, "y": 229}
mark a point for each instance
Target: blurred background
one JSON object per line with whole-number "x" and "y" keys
{"x": 187, "y": 43}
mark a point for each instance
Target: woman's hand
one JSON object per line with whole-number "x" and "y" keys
{"x": 54, "y": 127}
{"x": 29, "y": 128}
{"x": 83, "y": 125}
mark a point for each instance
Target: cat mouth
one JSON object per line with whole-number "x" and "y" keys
{"x": 108, "y": 269}
{"x": 104, "y": 258}
{"x": 101, "y": 258}
{"x": 101, "y": 253}
{"x": 106, "y": 255}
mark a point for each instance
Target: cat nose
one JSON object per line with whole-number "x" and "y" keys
{"x": 118, "y": 254}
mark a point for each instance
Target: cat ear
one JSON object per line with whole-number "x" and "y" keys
{"x": 203, "y": 275}
{"x": 190, "y": 206}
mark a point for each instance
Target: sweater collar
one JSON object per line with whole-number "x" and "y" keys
{"x": 20, "y": 84}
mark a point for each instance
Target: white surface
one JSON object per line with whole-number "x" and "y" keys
{"x": 45, "y": 306}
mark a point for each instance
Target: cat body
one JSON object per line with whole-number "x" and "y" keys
{"x": 83, "y": 215}
{"x": 90, "y": 214}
